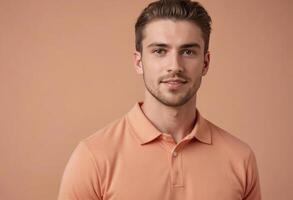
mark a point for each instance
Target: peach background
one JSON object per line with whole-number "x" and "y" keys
{"x": 66, "y": 71}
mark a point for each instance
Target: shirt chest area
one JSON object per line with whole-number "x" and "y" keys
{"x": 166, "y": 171}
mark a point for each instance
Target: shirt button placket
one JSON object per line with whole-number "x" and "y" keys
{"x": 176, "y": 169}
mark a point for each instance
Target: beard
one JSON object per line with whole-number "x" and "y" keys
{"x": 172, "y": 99}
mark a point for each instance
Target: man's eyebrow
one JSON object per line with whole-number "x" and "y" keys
{"x": 158, "y": 44}
{"x": 188, "y": 45}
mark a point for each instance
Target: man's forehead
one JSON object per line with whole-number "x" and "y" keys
{"x": 172, "y": 32}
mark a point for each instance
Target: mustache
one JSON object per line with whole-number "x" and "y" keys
{"x": 174, "y": 75}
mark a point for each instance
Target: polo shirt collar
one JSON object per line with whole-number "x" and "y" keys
{"x": 146, "y": 131}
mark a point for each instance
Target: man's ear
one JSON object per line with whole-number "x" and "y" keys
{"x": 206, "y": 63}
{"x": 138, "y": 62}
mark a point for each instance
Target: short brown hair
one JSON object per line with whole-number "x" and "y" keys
{"x": 177, "y": 10}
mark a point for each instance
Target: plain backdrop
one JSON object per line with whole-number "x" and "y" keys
{"x": 66, "y": 71}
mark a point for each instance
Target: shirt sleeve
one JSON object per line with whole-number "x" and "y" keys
{"x": 80, "y": 179}
{"x": 252, "y": 191}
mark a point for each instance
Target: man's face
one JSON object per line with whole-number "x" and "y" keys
{"x": 172, "y": 61}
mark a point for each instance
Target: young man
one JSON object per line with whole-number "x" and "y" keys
{"x": 163, "y": 148}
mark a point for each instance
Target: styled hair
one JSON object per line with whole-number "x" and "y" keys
{"x": 174, "y": 10}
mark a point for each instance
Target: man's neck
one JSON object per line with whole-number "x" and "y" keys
{"x": 176, "y": 121}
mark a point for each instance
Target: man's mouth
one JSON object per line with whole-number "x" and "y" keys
{"x": 174, "y": 83}
{"x": 174, "y": 80}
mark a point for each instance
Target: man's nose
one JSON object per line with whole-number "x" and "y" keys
{"x": 175, "y": 64}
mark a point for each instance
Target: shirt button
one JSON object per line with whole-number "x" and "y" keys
{"x": 174, "y": 154}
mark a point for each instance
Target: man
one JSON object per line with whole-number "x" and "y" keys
{"x": 163, "y": 148}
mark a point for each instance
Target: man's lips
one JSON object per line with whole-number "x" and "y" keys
{"x": 174, "y": 84}
{"x": 174, "y": 81}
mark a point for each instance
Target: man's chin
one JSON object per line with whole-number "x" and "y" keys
{"x": 174, "y": 103}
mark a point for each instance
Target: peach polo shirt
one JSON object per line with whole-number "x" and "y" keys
{"x": 130, "y": 159}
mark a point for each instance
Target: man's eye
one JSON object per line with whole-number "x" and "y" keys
{"x": 188, "y": 52}
{"x": 159, "y": 51}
